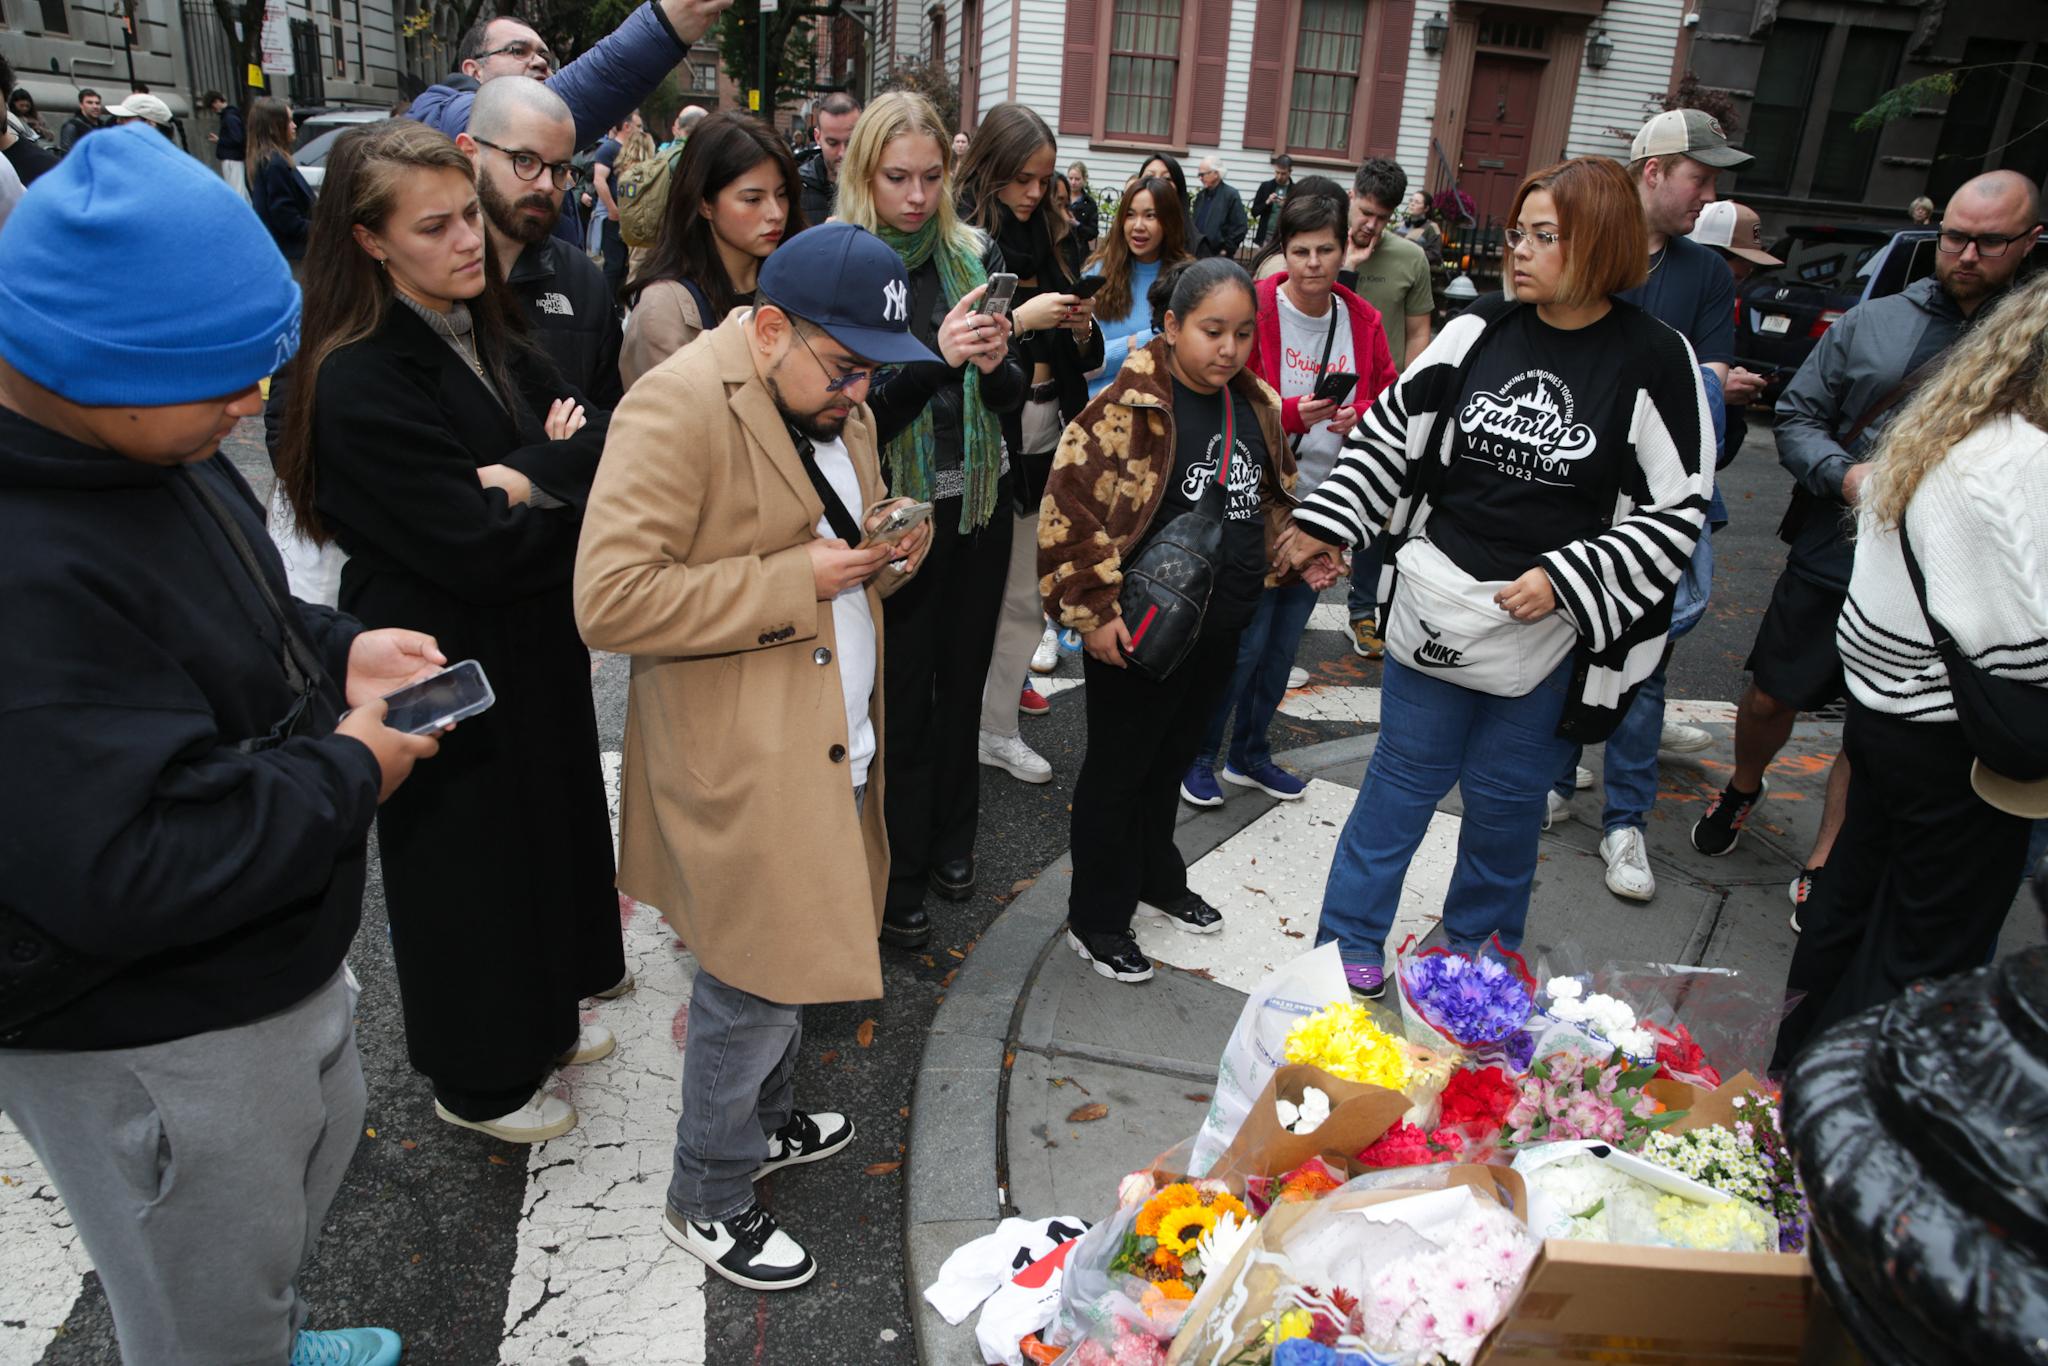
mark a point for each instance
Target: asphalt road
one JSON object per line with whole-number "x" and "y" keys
{"x": 422, "y": 1236}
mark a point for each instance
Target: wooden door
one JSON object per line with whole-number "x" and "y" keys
{"x": 1502, "y": 114}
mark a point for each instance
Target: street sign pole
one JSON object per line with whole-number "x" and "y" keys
{"x": 767, "y": 114}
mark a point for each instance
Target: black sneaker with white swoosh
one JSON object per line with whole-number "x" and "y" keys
{"x": 806, "y": 1138}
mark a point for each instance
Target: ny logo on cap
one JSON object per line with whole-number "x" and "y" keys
{"x": 895, "y": 302}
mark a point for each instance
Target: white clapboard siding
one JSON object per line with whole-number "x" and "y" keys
{"x": 1418, "y": 107}
{"x": 1041, "y": 27}
{"x": 1613, "y": 103}
{"x": 996, "y": 21}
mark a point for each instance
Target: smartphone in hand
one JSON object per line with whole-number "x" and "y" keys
{"x": 1085, "y": 287}
{"x": 439, "y": 700}
{"x": 1336, "y": 385}
{"x": 900, "y": 522}
{"x": 1002, "y": 288}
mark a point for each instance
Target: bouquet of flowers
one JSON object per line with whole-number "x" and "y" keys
{"x": 1344, "y": 1041}
{"x": 1680, "y": 1058}
{"x": 1570, "y": 1095}
{"x": 1405, "y": 1145}
{"x": 1132, "y": 1276}
{"x": 1606, "y": 1020}
{"x": 1616, "y": 1198}
{"x": 1185, "y": 1229}
{"x": 1480, "y": 1004}
{"x": 1312, "y": 1180}
{"x": 1748, "y": 1160}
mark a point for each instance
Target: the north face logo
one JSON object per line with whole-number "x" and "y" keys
{"x": 895, "y": 302}
{"x": 556, "y": 304}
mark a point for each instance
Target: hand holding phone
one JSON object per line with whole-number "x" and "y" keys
{"x": 1336, "y": 385}
{"x": 1002, "y": 287}
{"x": 1085, "y": 287}
{"x": 903, "y": 519}
{"x": 439, "y": 700}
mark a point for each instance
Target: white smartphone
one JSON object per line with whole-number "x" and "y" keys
{"x": 1002, "y": 287}
{"x": 900, "y": 522}
{"x": 456, "y": 693}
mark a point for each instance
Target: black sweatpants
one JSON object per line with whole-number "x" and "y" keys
{"x": 1142, "y": 736}
{"x": 1919, "y": 881}
{"x": 938, "y": 632}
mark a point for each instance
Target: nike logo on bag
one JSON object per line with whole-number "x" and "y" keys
{"x": 1433, "y": 654}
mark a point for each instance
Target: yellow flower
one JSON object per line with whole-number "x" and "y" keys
{"x": 1343, "y": 1040}
{"x": 1181, "y": 1229}
{"x": 1295, "y": 1323}
{"x": 1226, "y": 1203}
{"x": 1169, "y": 1198}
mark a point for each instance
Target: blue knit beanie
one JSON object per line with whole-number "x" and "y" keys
{"x": 131, "y": 276}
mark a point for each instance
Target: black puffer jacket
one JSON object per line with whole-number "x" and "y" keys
{"x": 938, "y": 385}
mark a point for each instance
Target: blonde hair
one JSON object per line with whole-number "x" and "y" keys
{"x": 898, "y": 114}
{"x": 1999, "y": 366}
{"x": 635, "y": 149}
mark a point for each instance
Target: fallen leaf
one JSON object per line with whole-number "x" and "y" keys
{"x": 1202, "y": 973}
{"x": 1256, "y": 891}
{"x": 1020, "y": 884}
{"x": 956, "y": 953}
{"x": 927, "y": 960}
{"x": 372, "y": 1133}
{"x": 418, "y": 1257}
{"x": 407, "y": 1144}
{"x": 1294, "y": 934}
{"x": 1009, "y": 1061}
{"x": 903, "y": 1112}
{"x": 865, "y": 1035}
{"x": 1199, "y": 1097}
{"x": 947, "y": 980}
{"x": 1088, "y": 1113}
{"x": 497, "y": 1161}
{"x": 831, "y": 1056}
{"x": 880, "y": 1168}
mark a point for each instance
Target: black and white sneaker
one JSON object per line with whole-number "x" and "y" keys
{"x": 1185, "y": 912}
{"x": 806, "y": 1138}
{"x": 1116, "y": 956}
{"x": 747, "y": 1249}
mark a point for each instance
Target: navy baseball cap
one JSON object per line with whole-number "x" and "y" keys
{"x": 850, "y": 283}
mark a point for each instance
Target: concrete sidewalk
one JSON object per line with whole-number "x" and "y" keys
{"x": 1029, "y": 1033}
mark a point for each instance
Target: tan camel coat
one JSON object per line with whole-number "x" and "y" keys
{"x": 736, "y": 814}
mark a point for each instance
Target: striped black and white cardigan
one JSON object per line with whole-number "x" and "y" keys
{"x": 1615, "y": 587}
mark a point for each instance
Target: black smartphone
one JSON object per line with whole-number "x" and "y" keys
{"x": 1085, "y": 287}
{"x": 1336, "y": 384}
{"x": 454, "y": 694}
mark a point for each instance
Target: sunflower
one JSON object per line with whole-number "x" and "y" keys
{"x": 1182, "y": 1228}
{"x": 1168, "y": 1198}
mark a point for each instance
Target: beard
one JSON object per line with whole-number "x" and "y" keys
{"x": 814, "y": 425}
{"x": 509, "y": 217}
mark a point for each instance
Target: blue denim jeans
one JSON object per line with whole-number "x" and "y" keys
{"x": 1501, "y": 753}
{"x": 1365, "y": 580}
{"x": 1265, "y": 655}
{"x": 1629, "y": 773}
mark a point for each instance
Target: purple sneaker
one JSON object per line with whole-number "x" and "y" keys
{"x": 1367, "y": 979}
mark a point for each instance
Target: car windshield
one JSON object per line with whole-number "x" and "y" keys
{"x": 315, "y": 150}
{"x": 1824, "y": 261}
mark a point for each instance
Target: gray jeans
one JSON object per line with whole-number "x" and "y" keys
{"x": 739, "y": 1086}
{"x": 198, "y": 1172}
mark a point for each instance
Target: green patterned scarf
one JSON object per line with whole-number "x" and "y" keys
{"x": 912, "y": 451}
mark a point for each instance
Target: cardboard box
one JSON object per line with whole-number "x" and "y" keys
{"x": 1655, "y": 1306}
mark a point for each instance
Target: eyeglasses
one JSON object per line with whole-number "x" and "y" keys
{"x": 520, "y": 49}
{"x": 1538, "y": 238}
{"x": 527, "y": 166}
{"x": 834, "y": 384}
{"x": 1990, "y": 245}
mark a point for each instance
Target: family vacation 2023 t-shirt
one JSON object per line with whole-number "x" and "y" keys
{"x": 1197, "y": 451}
{"x": 1539, "y": 445}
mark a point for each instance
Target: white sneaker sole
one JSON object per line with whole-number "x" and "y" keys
{"x": 625, "y": 985}
{"x": 1022, "y": 775}
{"x": 1236, "y": 779}
{"x": 1038, "y": 668}
{"x": 1105, "y": 969}
{"x": 704, "y": 1255}
{"x": 774, "y": 1165}
{"x": 1147, "y": 911}
{"x": 539, "y": 1134}
{"x": 1192, "y": 800}
{"x": 1699, "y": 746}
{"x": 576, "y": 1059}
{"x": 1630, "y": 893}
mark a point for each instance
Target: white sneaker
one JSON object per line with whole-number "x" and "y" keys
{"x": 747, "y": 1249}
{"x": 1297, "y": 678}
{"x": 1628, "y": 864}
{"x": 1582, "y": 779}
{"x": 1679, "y": 739}
{"x": 1555, "y": 808}
{"x": 540, "y": 1119}
{"x": 1010, "y": 754}
{"x": 613, "y": 993}
{"x": 1046, "y": 658}
{"x": 593, "y": 1041}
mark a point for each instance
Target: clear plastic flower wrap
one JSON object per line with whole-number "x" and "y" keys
{"x": 1258, "y": 1044}
{"x": 1477, "y": 1004}
{"x": 1696, "y": 1025}
{"x": 1594, "y": 1192}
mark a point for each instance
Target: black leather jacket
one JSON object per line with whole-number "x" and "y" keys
{"x": 937, "y": 384}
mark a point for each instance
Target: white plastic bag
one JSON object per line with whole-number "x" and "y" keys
{"x": 1013, "y": 1274}
{"x": 1288, "y": 994}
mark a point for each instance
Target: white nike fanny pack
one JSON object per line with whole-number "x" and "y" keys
{"x": 1444, "y": 622}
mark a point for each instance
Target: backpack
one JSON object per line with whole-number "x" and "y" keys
{"x": 642, "y": 195}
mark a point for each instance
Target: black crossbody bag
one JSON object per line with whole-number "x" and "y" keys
{"x": 2004, "y": 721}
{"x": 1167, "y": 584}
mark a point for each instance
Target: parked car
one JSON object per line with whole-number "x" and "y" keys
{"x": 1781, "y": 311}
{"x": 320, "y": 130}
